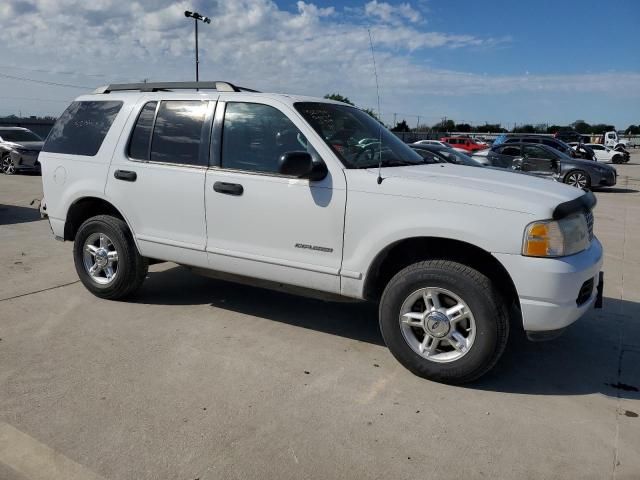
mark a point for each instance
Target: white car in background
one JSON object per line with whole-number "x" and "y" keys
{"x": 605, "y": 154}
{"x": 432, "y": 142}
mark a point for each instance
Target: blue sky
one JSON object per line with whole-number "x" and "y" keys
{"x": 494, "y": 61}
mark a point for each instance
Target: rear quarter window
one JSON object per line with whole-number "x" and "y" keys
{"x": 82, "y": 127}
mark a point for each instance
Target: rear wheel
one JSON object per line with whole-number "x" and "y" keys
{"x": 444, "y": 321}
{"x": 578, "y": 179}
{"x": 106, "y": 258}
{"x": 7, "y": 165}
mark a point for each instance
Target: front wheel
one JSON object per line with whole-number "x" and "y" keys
{"x": 444, "y": 321}
{"x": 617, "y": 159}
{"x": 7, "y": 165}
{"x": 106, "y": 258}
{"x": 578, "y": 179}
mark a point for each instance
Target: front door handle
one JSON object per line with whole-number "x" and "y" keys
{"x": 228, "y": 188}
{"x": 126, "y": 175}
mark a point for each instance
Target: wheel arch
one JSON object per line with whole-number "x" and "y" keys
{"x": 402, "y": 253}
{"x": 84, "y": 208}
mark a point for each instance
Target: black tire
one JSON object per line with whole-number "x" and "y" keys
{"x": 488, "y": 306}
{"x": 617, "y": 159}
{"x": 573, "y": 177}
{"x": 131, "y": 266}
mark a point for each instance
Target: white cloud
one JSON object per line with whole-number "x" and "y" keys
{"x": 310, "y": 50}
{"x": 395, "y": 14}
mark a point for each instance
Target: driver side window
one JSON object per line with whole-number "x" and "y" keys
{"x": 255, "y": 136}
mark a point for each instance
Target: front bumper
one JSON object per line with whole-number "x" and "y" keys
{"x": 552, "y": 290}
{"x": 608, "y": 179}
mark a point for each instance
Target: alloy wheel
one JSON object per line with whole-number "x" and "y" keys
{"x": 577, "y": 179}
{"x": 437, "y": 324}
{"x": 100, "y": 258}
{"x": 7, "y": 165}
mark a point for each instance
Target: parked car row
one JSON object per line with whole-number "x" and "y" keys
{"x": 19, "y": 150}
{"x": 541, "y": 156}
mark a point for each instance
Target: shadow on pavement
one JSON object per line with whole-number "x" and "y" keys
{"x": 11, "y": 214}
{"x": 597, "y": 354}
{"x": 616, "y": 190}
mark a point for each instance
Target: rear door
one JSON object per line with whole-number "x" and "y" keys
{"x": 157, "y": 178}
{"x": 503, "y": 157}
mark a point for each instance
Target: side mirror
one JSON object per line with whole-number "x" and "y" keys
{"x": 301, "y": 165}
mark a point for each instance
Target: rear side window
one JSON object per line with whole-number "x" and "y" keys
{"x": 141, "y": 135}
{"x": 178, "y": 132}
{"x": 511, "y": 150}
{"x": 82, "y": 127}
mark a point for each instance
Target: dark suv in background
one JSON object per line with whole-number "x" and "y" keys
{"x": 19, "y": 150}
{"x": 544, "y": 161}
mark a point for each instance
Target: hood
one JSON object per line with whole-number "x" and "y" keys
{"x": 587, "y": 164}
{"x": 493, "y": 188}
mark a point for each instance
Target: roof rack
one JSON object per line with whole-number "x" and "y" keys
{"x": 169, "y": 86}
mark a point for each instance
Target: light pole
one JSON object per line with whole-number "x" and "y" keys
{"x": 196, "y": 16}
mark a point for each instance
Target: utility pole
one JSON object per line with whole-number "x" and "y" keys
{"x": 418, "y": 123}
{"x": 394, "y": 120}
{"x": 196, "y": 16}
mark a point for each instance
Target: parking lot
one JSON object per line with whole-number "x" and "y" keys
{"x": 201, "y": 379}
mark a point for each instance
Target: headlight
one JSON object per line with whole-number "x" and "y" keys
{"x": 558, "y": 238}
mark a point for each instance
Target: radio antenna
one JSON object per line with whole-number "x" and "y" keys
{"x": 375, "y": 73}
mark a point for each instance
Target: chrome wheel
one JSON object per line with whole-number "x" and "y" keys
{"x": 577, "y": 179}
{"x": 437, "y": 324}
{"x": 7, "y": 165}
{"x": 100, "y": 258}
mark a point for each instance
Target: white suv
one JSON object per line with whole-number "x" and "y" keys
{"x": 317, "y": 196}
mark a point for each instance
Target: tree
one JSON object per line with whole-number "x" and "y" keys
{"x": 338, "y": 98}
{"x": 401, "y": 127}
{"x": 371, "y": 112}
{"x": 581, "y": 126}
{"x": 462, "y": 127}
{"x": 633, "y": 130}
{"x": 524, "y": 129}
{"x": 555, "y": 128}
{"x": 601, "y": 128}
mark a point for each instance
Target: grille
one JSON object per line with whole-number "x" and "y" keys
{"x": 585, "y": 292}
{"x": 589, "y": 218}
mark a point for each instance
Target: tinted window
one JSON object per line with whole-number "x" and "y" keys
{"x": 512, "y": 140}
{"x": 537, "y": 152}
{"x": 511, "y": 150}
{"x": 178, "y": 132}
{"x": 255, "y": 136}
{"x": 141, "y": 135}
{"x": 19, "y": 136}
{"x": 429, "y": 157}
{"x": 531, "y": 140}
{"x": 82, "y": 127}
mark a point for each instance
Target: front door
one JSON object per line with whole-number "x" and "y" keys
{"x": 263, "y": 224}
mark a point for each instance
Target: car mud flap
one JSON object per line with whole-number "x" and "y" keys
{"x": 598, "y": 303}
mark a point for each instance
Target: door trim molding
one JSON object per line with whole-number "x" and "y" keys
{"x": 274, "y": 261}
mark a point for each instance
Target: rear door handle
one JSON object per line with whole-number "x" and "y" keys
{"x": 125, "y": 175}
{"x": 228, "y": 188}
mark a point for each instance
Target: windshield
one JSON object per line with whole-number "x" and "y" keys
{"x": 459, "y": 158}
{"x": 19, "y": 136}
{"x": 358, "y": 139}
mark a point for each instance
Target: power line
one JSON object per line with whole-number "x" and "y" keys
{"x": 53, "y": 72}
{"x": 35, "y": 99}
{"x": 44, "y": 82}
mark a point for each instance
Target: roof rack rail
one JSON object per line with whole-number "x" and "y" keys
{"x": 168, "y": 86}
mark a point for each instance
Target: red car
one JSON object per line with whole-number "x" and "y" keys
{"x": 465, "y": 143}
